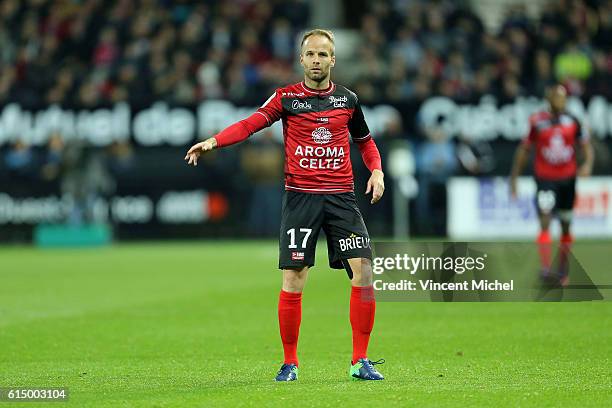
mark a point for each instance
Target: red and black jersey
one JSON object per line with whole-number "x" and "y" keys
{"x": 317, "y": 125}
{"x": 316, "y": 129}
{"x": 555, "y": 138}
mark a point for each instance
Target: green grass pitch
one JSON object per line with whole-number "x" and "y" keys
{"x": 194, "y": 324}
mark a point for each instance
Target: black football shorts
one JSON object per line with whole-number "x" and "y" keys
{"x": 555, "y": 195}
{"x": 303, "y": 217}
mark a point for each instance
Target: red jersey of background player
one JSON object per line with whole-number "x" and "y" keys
{"x": 316, "y": 129}
{"x": 555, "y": 138}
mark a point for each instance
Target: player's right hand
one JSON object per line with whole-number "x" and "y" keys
{"x": 193, "y": 154}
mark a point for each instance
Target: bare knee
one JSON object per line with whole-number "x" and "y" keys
{"x": 294, "y": 279}
{"x": 362, "y": 271}
{"x": 565, "y": 216}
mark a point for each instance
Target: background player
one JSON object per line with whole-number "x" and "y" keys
{"x": 555, "y": 133}
{"x": 318, "y": 116}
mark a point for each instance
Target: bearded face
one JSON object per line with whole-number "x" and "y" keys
{"x": 317, "y": 58}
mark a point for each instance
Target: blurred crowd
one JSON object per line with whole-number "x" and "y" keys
{"x": 90, "y": 53}
{"x": 72, "y": 170}
{"x": 416, "y": 49}
{"x": 94, "y": 52}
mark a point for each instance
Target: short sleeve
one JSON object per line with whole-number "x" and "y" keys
{"x": 272, "y": 109}
{"x": 357, "y": 125}
{"x": 532, "y": 134}
{"x": 582, "y": 131}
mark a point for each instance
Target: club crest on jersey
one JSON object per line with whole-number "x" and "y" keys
{"x": 557, "y": 151}
{"x": 338, "y": 101}
{"x": 300, "y": 105}
{"x": 321, "y": 135}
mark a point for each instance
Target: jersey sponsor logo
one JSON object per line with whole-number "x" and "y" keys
{"x": 297, "y": 256}
{"x": 293, "y": 94}
{"x": 320, "y": 157}
{"x": 557, "y": 152}
{"x": 324, "y": 120}
{"x": 338, "y": 101}
{"x": 321, "y": 135}
{"x": 300, "y": 104}
{"x": 354, "y": 242}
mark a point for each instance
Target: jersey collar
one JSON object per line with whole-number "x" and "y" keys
{"x": 310, "y": 91}
{"x": 556, "y": 118}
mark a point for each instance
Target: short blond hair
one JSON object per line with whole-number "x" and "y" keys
{"x": 324, "y": 33}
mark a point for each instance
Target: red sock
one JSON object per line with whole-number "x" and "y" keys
{"x": 363, "y": 309}
{"x": 289, "y": 319}
{"x": 567, "y": 240}
{"x": 545, "y": 249}
{"x": 565, "y": 245}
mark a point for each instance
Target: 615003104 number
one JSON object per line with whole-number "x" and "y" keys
{"x": 25, "y": 394}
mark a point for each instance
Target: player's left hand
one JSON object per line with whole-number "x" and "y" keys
{"x": 584, "y": 171}
{"x": 376, "y": 185}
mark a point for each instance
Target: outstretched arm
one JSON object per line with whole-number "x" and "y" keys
{"x": 233, "y": 134}
{"x": 265, "y": 116}
{"x": 371, "y": 158}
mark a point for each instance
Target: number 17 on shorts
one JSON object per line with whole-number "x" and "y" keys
{"x": 298, "y": 255}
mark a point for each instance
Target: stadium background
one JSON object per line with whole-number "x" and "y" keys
{"x": 99, "y": 102}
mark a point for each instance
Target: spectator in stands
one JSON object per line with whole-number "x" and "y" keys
{"x": 600, "y": 83}
{"x": 436, "y": 162}
{"x": 543, "y": 76}
{"x": 120, "y": 159}
{"x": 52, "y": 162}
{"x": 476, "y": 157}
{"x": 263, "y": 165}
{"x": 20, "y": 162}
{"x": 572, "y": 63}
{"x": 84, "y": 179}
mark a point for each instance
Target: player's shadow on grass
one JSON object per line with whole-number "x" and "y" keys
{"x": 579, "y": 289}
